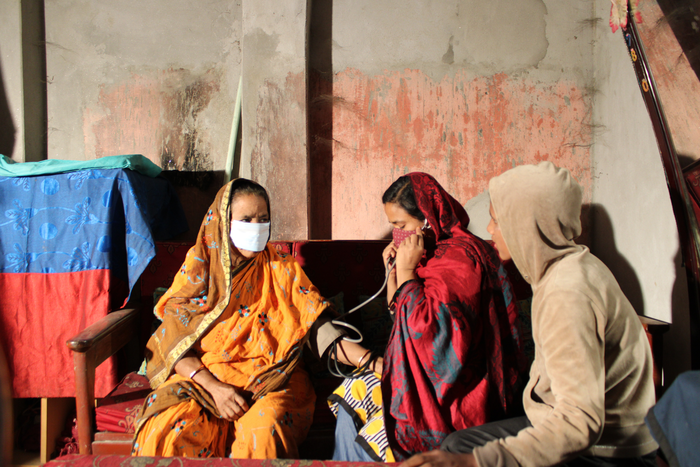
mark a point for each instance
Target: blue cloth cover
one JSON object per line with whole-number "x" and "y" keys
{"x": 675, "y": 421}
{"x": 84, "y": 220}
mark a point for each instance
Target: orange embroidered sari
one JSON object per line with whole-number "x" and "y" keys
{"x": 248, "y": 327}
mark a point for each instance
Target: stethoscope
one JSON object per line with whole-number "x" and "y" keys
{"x": 333, "y": 368}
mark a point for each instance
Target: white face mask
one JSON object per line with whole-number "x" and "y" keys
{"x": 250, "y": 236}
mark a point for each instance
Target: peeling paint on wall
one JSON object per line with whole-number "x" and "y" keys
{"x": 482, "y": 36}
{"x": 157, "y": 116}
{"x": 278, "y": 157}
{"x": 462, "y": 130}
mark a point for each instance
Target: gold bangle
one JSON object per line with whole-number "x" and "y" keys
{"x": 359, "y": 362}
{"x": 201, "y": 367}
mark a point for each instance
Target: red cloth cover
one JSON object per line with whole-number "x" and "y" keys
{"x": 38, "y": 324}
{"x": 117, "y": 412}
{"x": 72, "y": 246}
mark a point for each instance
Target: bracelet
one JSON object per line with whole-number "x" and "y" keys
{"x": 359, "y": 363}
{"x": 201, "y": 367}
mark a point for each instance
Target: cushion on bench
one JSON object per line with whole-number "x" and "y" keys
{"x": 118, "y": 411}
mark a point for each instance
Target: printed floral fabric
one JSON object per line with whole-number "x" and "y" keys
{"x": 273, "y": 427}
{"x": 86, "y": 220}
{"x": 247, "y": 326}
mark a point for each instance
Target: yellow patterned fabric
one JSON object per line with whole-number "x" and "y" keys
{"x": 361, "y": 397}
{"x": 247, "y": 325}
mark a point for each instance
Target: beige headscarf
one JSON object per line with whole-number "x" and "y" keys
{"x": 538, "y": 210}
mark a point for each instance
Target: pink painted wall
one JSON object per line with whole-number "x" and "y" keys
{"x": 157, "y": 115}
{"x": 463, "y": 130}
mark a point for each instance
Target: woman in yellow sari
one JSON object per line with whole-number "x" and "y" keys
{"x": 226, "y": 361}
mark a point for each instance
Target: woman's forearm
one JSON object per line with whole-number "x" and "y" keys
{"x": 189, "y": 364}
{"x": 350, "y": 353}
{"x": 355, "y": 355}
{"x": 391, "y": 289}
{"x": 229, "y": 401}
{"x": 404, "y": 275}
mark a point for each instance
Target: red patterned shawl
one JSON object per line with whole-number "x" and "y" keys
{"x": 454, "y": 359}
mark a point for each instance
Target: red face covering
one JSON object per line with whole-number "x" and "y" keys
{"x": 400, "y": 235}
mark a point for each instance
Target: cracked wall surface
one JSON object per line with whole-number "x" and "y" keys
{"x": 462, "y": 90}
{"x": 155, "y": 78}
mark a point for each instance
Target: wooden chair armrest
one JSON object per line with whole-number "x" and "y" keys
{"x": 91, "y": 347}
{"x": 106, "y": 335}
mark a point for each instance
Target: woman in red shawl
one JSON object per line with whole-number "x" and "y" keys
{"x": 454, "y": 358}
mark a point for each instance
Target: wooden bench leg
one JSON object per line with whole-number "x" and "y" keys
{"x": 84, "y": 400}
{"x": 54, "y": 412}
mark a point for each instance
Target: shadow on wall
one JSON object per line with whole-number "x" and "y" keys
{"x": 196, "y": 191}
{"x": 7, "y": 127}
{"x": 684, "y": 161}
{"x": 681, "y": 16}
{"x": 621, "y": 268}
{"x": 677, "y": 340}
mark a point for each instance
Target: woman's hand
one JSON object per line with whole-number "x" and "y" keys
{"x": 410, "y": 252}
{"x": 377, "y": 365}
{"x": 389, "y": 254}
{"x": 408, "y": 255}
{"x": 231, "y": 404}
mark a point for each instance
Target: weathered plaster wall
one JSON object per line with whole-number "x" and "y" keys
{"x": 11, "y": 111}
{"x": 467, "y": 89}
{"x": 274, "y": 109}
{"x": 634, "y": 228}
{"x": 22, "y": 75}
{"x": 462, "y": 89}
{"x": 157, "y": 78}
